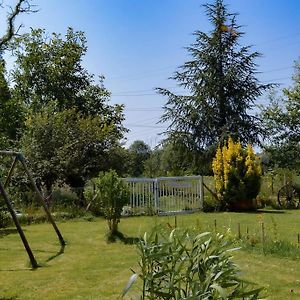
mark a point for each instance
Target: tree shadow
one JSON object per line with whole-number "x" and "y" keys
{"x": 57, "y": 254}
{"x": 113, "y": 237}
{"x": 269, "y": 211}
{"x": 6, "y": 231}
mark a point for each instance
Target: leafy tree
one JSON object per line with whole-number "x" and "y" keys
{"x": 152, "y": 166}
{"x": 174, "y": 159}
{"x": 65, "y": 146}
{"x": 139, "y": 152}
{"x": 11, "y": 112}
{"x": 221, "y": 88}
{"x": 49, "y": 69}
{"x": 282, "y": 123}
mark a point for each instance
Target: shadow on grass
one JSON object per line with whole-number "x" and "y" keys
{"x": 270, "y": 211}
{"x": 261, "y": 211}
{"x": 7, "y": 231}
{"x": 113, "y": 237}
{"x": 57, "y": 254}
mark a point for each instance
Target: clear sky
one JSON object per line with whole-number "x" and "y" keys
{"x": 138, "y": 44}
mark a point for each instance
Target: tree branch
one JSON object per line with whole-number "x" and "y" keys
{"x": 22, "y": 6}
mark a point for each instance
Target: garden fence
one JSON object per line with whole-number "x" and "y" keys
{"x": 165, "y": 195}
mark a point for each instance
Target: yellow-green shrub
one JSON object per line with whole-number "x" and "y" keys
{"x": 237, "y": 174}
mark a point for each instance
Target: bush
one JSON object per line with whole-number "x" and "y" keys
{"x": 237, "y": 174}
{"x": 5, "y": 219}
{"x": 183, "y": 265}
{"x": 110, "y": 195}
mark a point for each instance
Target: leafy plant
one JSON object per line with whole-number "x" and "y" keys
{"x": 237, "y": 174}
{"x": 183, "y": 265}
{"x": 110, "y": 195}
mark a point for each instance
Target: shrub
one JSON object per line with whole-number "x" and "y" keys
{"x": 183, "y": 265}
{"x": 110, "y": 195}
{"x": 5, "y": 219}
{"x": 237, "y": 174}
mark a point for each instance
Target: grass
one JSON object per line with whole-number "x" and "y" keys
{"x": 89, "y": 268}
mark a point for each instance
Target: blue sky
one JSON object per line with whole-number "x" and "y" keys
{"x": 137, "y": 45}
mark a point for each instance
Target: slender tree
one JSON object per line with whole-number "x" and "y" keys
{"x": 221, "y": 88}
{"x": 282, "y": 124}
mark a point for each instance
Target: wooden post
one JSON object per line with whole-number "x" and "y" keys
{"x": 247, "y": 233}
{"x": 263, "y": 233}
{"x": 19, "y": 228}
{"x": 239, "y": 231}
{"x": 20, "y": 157}
{"x": 201, "y": 192}
{"x": 10, "y": 173}
{"x": 215, "y": 223}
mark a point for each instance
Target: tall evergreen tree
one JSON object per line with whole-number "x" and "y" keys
{"x": 221, "y": 84}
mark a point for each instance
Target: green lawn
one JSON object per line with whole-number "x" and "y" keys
{"x": 91, "y": 269}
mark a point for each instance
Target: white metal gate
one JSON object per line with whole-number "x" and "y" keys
{"x": 165, "y": 195}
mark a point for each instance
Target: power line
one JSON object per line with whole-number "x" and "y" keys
{"x": 144, "y": 126}
{"x": 134, "y": 93}
{"x": 143, "y": 109}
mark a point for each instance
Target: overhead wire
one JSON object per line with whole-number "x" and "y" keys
{"x": 147, "y": 92}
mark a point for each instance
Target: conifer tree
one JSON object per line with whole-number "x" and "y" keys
{"x": 221, "y": 88}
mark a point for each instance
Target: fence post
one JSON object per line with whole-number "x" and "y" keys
{"x": 201, "y": 192}
{"x": 156, "y": 195}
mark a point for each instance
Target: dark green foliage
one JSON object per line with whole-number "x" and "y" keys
{"x": 5, "y": 219}
{"x": 221, "y": 88}
{"x": 185, "y": 265}
{"x": 139, "y": 152}
{"x": 11, "y": 112}
{"x": 67, "y": 147}
{"x": 110, "y": 194}
{"x": 172, "y": 159}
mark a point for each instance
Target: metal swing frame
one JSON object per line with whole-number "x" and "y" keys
{"x": 18, "y": 156}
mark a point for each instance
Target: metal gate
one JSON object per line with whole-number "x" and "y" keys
{"x": 165, "y": 195}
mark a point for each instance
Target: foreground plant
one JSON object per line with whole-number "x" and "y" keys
{"x": 182, "y": 265}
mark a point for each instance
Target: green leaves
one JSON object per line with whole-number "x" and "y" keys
{"x": 281, "y": 121}
{"x": 111, "y": 194}
{"x": 67, "y": 146}
{"x": 185, "y": 265}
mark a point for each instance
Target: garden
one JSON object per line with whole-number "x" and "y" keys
{"x": 210, "y": 212}
{"x": 89, "y": 268}
{"x": 252, "y": 253}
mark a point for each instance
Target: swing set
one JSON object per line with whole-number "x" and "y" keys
{"x": 18, "y": 157}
